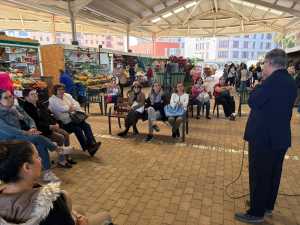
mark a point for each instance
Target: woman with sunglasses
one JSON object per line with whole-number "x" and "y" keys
{"x": 136, "y": 100}
{"x": 155, "y": 108}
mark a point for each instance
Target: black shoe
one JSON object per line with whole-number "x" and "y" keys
{"x": 135, "y": 131}
{"x": 174, "y": 134}
{"x": 71, "y": 161}
{"x": 208, "y": 117}
{"x": 177, "y": 133}
{"x": 156, "y": 128}
{"x": 247, "y": 203}
{"x": 65, "y": 165}
{"x": 148, "y": 138}
{"x": 268, "y": 212}
{"x": 247, "y": 218}
{"x": 94, "y": 148}
{"x": 123, "y": 133}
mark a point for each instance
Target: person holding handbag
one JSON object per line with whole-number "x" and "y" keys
{"x": 180, "y": 101}
{"x": 67, "y": 110}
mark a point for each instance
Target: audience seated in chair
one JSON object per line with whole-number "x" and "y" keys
{"x": 113, "y": 92}
{"x": 178, "y": 99}
{"x": 223, "y": 97}
{"x": 201, "y": 97}
{"x": 155, "y": 109}
{"x": 17, "y": 125}
{"x": 46, "y": 123}
{"x": 61, "y": 105}
{"x": 23, "y": 201}
{"x": 136, "y": 100}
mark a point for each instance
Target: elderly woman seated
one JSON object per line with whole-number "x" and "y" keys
{"x": 24, "y": 202}
{"x": 136, "y": 99}
{"x": 201, "y": 97}
{"x": 62, "y": 105}
{"x": 223, "y": 97}
{"x": 17, "y": 125}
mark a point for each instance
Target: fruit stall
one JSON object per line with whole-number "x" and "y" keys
{"x": 21, "y": 57}
{"x": 84, "y": 63}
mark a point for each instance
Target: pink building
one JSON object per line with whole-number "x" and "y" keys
{"x": 159, "y": 49}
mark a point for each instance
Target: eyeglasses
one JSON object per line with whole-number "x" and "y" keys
{"x": 136, "y": 87}
{"x": 8, "y": 97}
{"x": 33, "y": 93}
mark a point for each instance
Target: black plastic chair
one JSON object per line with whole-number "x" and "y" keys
{"x": 94, "y": 95}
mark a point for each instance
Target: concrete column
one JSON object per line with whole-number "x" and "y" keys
{"x": 73, "y": 24}
{"x": 53, "y": 29}
{"x": 127, "y": 38}
{"x": 153, "y": 44}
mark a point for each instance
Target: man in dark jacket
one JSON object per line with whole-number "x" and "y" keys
{"x": 268, "y": 133}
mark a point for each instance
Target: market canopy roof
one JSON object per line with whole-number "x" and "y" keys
{"x": 155, "y": 17}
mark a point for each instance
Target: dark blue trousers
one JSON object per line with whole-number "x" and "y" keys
{"x": 265, "y": 167}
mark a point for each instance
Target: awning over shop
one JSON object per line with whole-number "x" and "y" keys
{"x": 154, "y": 17}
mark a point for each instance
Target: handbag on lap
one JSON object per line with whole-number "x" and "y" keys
{"x": 78, "y": 117}
{"x": 174, "y": 111}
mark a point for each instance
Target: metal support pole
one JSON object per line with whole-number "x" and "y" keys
{"x": 127, "y": 38}
{"x": 73, "y": 24}
{"x": 53, "y": 29}
{"x": 153, "y": 44}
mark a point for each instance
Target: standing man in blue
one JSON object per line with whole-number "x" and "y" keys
{"x": 268, "y": 133}
{"x": 67, "y": 80}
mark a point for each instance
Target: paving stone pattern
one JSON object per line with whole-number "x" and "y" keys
{"x": 166, "y": 182}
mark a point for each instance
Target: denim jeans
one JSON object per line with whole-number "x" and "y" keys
{"x": 202, "y": 104}
{"x": 42, "y": 145}
{"x": 152, "y": 117}
{"x": 83, "y": 132}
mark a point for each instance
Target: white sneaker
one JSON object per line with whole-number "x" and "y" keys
{"x": 49, "y": 177}
{"x": 66, "y": 150}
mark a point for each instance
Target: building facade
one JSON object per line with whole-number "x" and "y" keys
{"x": 85, "y": 40}
{"x": 238, "y": 49}
{"x": 162, "y": 47}
{"x": 158, "y": 49}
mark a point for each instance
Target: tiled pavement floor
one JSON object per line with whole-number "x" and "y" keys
{"x": 165, "y": 182}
